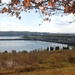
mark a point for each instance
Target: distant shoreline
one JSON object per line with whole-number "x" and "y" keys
{"x": 61, "y": 42}
{"x": 62, "y": 38}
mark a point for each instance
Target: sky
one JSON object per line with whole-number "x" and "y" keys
{"x": 30, "y": 22}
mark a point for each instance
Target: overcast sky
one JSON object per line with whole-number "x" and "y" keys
{"x": 31, "y": 21}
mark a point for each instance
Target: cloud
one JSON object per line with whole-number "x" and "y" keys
{"x": 57, "y": 24}
{"x": 60, "y": 22}
{"x": 6, "y": 1}
{"x": 53, "y": 27}
{"x": 68, "y": 28}
{"x": 10, "y": 26}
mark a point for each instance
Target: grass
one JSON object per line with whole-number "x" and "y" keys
{"x": 39, "y": 63}
{"x": 56, "y": 71}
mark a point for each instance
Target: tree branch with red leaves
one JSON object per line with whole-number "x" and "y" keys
{"x": 46, "y": 7}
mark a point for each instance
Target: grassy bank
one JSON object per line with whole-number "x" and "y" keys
{"x": 39, "y": 63}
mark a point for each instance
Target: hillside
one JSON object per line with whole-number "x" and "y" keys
{"x": 39, "y": 63}
{"x": 48, "y": 37}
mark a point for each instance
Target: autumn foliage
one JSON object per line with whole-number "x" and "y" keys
{"x": 47, "y": 7}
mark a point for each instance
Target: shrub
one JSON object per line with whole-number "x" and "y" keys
{"x": 47, "y": 48}
{"x": 51, "y": 48}
{"x": 13, "y": 51}
{"x": 57, "y": 48}
{"x": 5, "y": 51}
{"x": 24, "y": 51}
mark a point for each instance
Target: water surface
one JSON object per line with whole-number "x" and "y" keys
{"x": 28, "y": 45}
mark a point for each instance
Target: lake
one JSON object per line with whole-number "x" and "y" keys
{"x": 28, "y": 45}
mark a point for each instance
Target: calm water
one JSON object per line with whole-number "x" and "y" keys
{"x": 28, "y": 45}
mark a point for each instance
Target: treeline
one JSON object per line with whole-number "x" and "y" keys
{"x": 50, "y": 49}
{"x": 21, "y": 33}
{"x": 27, "y": 33}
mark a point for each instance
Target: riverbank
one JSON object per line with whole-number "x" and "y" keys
{"x": 56, "y": 38}
{"x": 68, "y": 39}
{"x": 38, "y": 63}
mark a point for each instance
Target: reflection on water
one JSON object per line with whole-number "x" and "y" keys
{"x": 10, "y": 37}
{"x": 28, "y": 45}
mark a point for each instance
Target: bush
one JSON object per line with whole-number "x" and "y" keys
{"x": 47, "y": 48}
{"x": 13, "y": 51}
{"x": 51, "y": 48}
{"x": 24, "y": 51}
{"x": 5, "y": 51}
{"x": 57, "y": 48}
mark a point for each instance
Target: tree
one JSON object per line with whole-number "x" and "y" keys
{"x": 44, "y": 7}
